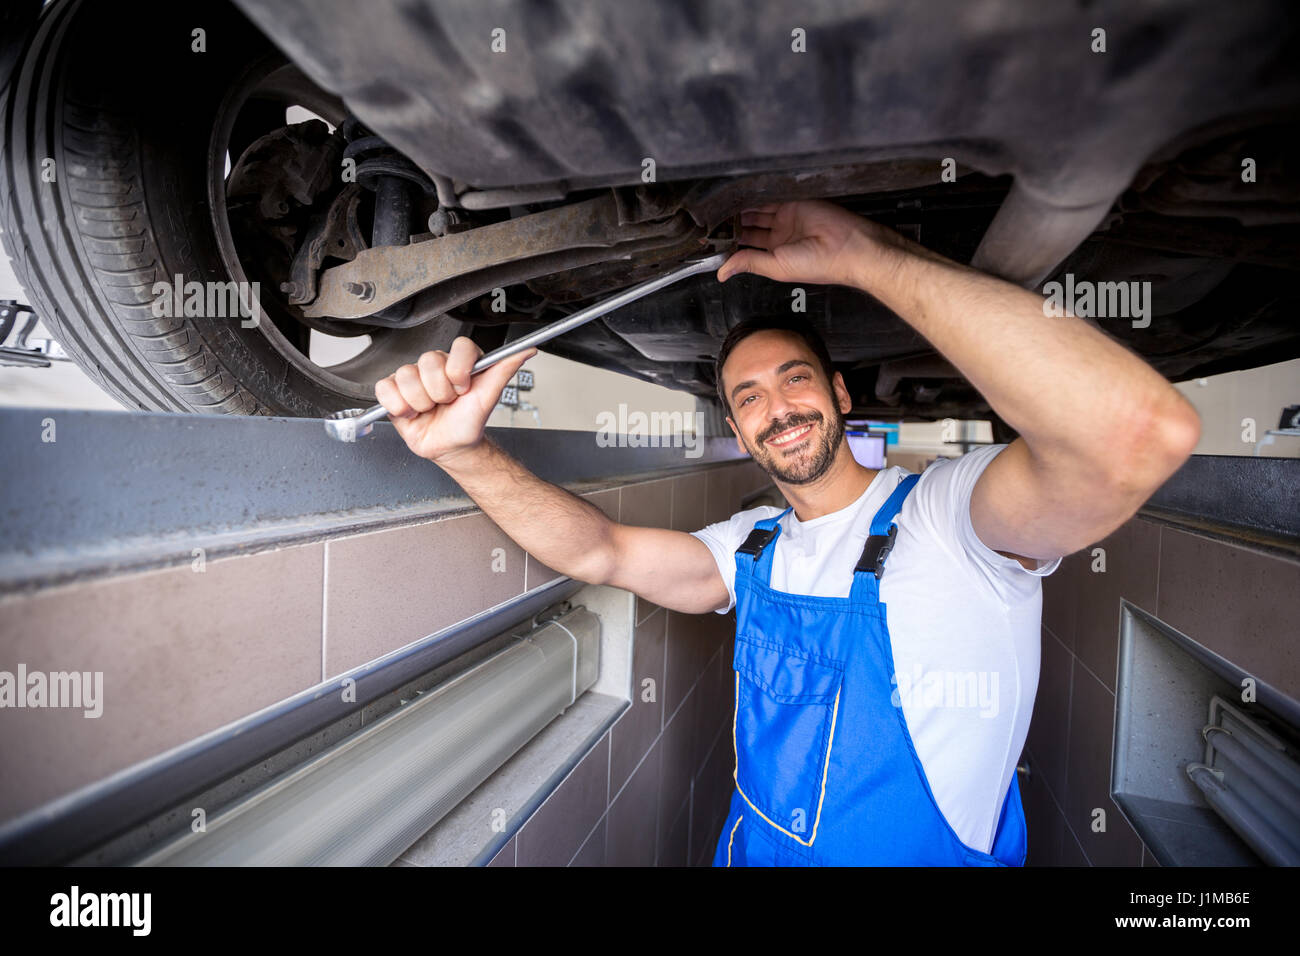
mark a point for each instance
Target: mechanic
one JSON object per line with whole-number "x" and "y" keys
{"x": 860, "y": 737}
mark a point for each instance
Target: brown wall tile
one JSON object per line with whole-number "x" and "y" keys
{"x": 640, "y": 724}
{"x": 711, "y": 796}
{"x": 1042, "y": 819}
{"x": 690, "y": 502}
{"x": 592, "y": 852}
{"x": 389, "y": 588}
{"x": 1132, "y": 563}
{"x": 648, "y": 504}
{"x": 677, "y": 745}
{"x": 1092, "y": 728}
{"x": 709, "y": 711}
{"x": 1237, "y": 602}
{"x": 644, "y": 609}
{"x": 752, "y": 478}
{"x": 561, "y": 825}
{"x": 633, "y": 817}
{"x": 1069, "y": 853}
{"x": 691, "y": 641}
{"x": 1061, "y": 591}
{"x": 505, "y": 856}
{"x": 182, "y": 653}
{"x": 1049, "y": 726}
{"x": 674, "y": 841}
{"x": 744, "y": 478}
{"x": 719, "y": 499}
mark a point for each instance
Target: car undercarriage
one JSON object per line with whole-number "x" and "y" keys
{"x": 399, "y": 174}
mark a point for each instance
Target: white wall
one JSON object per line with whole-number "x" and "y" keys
{"x": 1224, "y": 401}
{"x": 62, "y": 385}
{"x": 571, "y": 395}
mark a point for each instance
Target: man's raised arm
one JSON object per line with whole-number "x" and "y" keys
{"x": 1100, "y": 430}
{"x": 440, "y": 411}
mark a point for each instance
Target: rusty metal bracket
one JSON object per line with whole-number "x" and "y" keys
{"x": 377, "y": 278}
{"x": 334, "y": 234}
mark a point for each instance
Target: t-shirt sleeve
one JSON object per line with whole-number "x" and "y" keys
{"x": 945, "y": 493}
{"x": 724, "y": 537}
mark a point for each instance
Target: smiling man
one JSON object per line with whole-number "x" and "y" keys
{"x": 887, "y": 634}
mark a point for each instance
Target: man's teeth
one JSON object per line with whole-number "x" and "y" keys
{"x": 793, "y": 436}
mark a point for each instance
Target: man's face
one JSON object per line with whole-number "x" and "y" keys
{"x": 784, "y": 412}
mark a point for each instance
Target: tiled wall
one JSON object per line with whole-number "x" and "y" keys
{"x": 1237, "y": 601}
{"x": 186, "y": 651}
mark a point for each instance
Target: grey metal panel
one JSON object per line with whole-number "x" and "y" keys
{"x": 119, "y": 490}
{"x": 1234, "y": 493}
{"x": 1165, "y": 683}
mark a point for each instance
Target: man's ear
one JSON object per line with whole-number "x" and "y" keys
{"x": 842, "y": 397}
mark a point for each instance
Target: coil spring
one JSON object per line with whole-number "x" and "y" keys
{"x": 375, "y": 159}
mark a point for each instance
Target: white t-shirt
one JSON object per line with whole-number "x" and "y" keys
{"x": 964, "y": 625}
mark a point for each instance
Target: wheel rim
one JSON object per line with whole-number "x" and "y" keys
{"x": 274, "y": 82}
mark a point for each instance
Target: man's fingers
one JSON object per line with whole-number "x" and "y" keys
{"x": 415, "y": 389}
{"x": 761, "y": 219}
{"x": 460, "y": 362}
{"x": 765, "y": 207}
{"x": 433, "y": 374}
{"x": 412, "y": 388}
{"x": 386, "y": 394}
{"x": 747, "y": 260}
{"x": 406, "y": 427}
{"x": 756, "y": 237}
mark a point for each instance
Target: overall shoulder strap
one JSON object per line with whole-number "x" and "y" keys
{"x": 754, "y": 556}
{"x": 893, "y": 505}
{"x": 880, "y": 540}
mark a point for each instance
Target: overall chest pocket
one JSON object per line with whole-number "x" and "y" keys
{"x": 787, "y": 703}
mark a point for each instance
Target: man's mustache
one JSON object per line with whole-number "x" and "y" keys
{"x": 787, "y": 425}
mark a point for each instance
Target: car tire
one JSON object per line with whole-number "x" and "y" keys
{"x": 108, "y": 122}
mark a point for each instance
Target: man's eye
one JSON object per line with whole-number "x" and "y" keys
{"x": 745, "y": 400}
{"x": 793, "y": 377}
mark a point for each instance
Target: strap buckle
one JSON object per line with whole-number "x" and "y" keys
{"x": 758, "y": 540}
{"x": 876, "y": 551}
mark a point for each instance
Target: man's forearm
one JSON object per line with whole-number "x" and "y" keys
{"x": 553, "y": 525}
{"x": 1064, "y": 386}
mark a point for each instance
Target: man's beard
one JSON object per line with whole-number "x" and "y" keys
{"x": 808, "y": 465}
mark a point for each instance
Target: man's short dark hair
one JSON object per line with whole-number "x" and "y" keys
{"x": 762, "y": 324}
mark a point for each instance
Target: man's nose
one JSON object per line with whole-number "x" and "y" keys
{"x": 779, "y": 407}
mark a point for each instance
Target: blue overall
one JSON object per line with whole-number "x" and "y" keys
{"x": 826, "y": 773}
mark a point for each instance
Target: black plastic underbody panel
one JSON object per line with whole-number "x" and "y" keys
{"x": 584, "y": 90}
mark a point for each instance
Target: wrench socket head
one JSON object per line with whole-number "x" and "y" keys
{"x": 342, "y": 425}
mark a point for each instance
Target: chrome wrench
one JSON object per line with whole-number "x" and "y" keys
{"x": 353, "y": 423}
